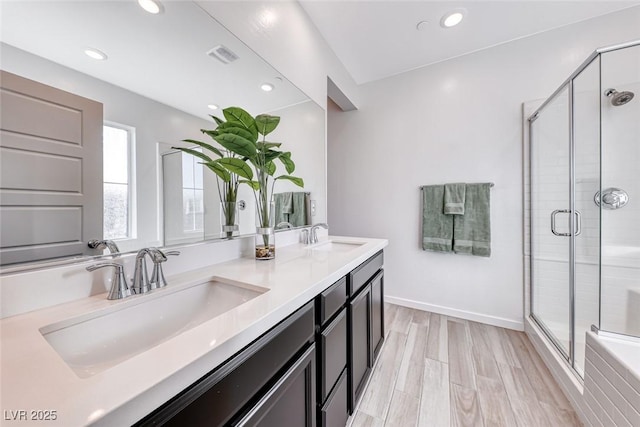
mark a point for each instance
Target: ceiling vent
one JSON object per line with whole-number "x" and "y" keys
{"x": 222, "y": 54}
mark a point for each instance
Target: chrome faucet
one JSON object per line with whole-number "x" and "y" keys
{"x": 157, "y": 276}
{"x": 313, "y": 233}
{"x": 140, "y": 275}
{"x": 119, "y": 286}
{"x": 141, "y": 282}
{"x": 101, "y": 244}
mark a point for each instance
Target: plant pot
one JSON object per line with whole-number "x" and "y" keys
{"x": 229, "y": 218}
{"x": 265, "y": 232}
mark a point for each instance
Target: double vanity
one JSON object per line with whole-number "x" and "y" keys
{"x": 284, "y": 342}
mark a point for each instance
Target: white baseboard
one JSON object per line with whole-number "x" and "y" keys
{"x": 518, "y": 325}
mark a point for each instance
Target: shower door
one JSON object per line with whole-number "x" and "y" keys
{"x": 551, "y": 221}
{"x": 565, "y": 240}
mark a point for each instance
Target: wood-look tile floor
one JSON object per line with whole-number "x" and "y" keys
{"x": 441, "y": 371}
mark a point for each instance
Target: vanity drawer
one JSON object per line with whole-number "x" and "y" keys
{"x": 221, "y": 394}
{"x": 331, "y": 300}
{"x": 365, "y": 271}
{"x": 332, "y": 354}
{"x": 334, "y": 412}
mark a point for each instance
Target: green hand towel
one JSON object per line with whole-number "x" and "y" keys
{"x": 472, "y": 231}
{"x": 282, "y": 207}
{"x": 454, "y": 198}
{"x": 437, "y": 228}
{"x": 298, "y": 216}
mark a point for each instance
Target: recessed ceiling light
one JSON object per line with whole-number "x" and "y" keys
{"x": 212, "y": 106}
{"x": 267, "y": 18}
{"x": 267, "y": 87}
{"x": 95, "y": 54}
{"x": 151, "y": 6}
{"x": 453, "y": 18}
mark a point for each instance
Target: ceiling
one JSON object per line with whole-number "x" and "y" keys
{"x": 162, "y": 57}
{"x": 378, "y": 39}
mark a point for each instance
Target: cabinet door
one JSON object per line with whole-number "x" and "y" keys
{"x": 220, "y": 395}
{"x": 360, "y": 344}
{"x": 332, "y": 354}
{"x": 334, "y": 412}
{"x": 291, "y": 400}
{"x": 377, "y": 313}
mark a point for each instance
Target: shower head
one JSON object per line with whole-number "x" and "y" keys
{"x": 618, "y": 98}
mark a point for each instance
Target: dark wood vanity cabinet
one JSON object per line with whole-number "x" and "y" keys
{"x": 271, "y": 378}
{"x": 331, "y": 342}
{"x": 365, "y": 311}
{"x": 290, "y": 401}
{"x": 308, "y": 370}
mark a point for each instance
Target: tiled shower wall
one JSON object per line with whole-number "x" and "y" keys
{"x": 611, "y": 388}
{"x": 621, "y": 169}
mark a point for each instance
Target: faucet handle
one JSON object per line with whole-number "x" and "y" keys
{"x": 119, "y": 286}
{"x": 305, "y": 236}
{"x": 157, "y": 275}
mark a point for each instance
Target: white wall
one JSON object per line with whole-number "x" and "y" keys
{"x": 458, "y": 120}
{"x": 302, "y": 131}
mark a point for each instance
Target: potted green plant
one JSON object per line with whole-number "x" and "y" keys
{"x": 245, "y": 136}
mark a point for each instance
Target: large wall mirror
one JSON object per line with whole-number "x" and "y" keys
{"x": 160, "y": 77}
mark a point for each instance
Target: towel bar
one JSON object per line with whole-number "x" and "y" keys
{"x": 491, "y": 184}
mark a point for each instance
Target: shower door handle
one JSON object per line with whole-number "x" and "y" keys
{"x": 578, "y": 229}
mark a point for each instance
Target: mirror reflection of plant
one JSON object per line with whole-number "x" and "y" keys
{"x": 227, "y": 181}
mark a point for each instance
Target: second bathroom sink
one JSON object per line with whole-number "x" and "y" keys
{"x": 335, "y": 246}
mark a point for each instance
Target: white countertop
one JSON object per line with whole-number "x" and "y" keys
{"x": 35, "y": 378}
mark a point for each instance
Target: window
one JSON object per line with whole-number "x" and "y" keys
{"x": 117, "y": 173}
{"x": 192, "y": 194}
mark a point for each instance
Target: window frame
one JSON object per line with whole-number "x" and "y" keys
{"x": 131, "y": 179}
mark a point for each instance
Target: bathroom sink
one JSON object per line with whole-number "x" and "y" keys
{"x": 92, "y": 345}
{"x": 333, "y": 246}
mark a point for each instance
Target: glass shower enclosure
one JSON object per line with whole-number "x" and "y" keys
{"x": 584, "y": 144}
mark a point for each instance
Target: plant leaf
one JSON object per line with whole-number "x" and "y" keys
{"x": 253, "y": 184}
{"x": 297, "y": 181}
{"x": 195, "y": 153}
{"x": 270, "y": 167}
{"x": 218, "y": 120}
{"x": 236, "y": 130}
{"x": 237, "y": 144}
{"x": 218, "y": 170}
{"x": 271, "y": 155}
{"x": 237, "y": 166}
{"x": 285, "y": 158}
{"x": 268, "y": 145}
{"x": 205, "y": 146}
{"x": 237, "y": 114}
{"x": 211, "y": 133}
{"x": 267, "y": 123}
